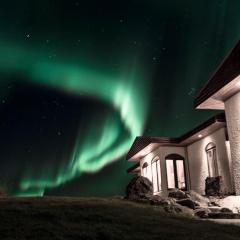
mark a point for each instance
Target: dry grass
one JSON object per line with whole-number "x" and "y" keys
{"x": 103, "y": 219}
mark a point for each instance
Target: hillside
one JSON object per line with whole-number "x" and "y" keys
{"x": 92, "y": 218}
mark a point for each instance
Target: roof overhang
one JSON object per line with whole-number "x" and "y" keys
{"x": 134, "y": 169}
{"x": 142, "y": 146}
{"x": 216, "y": 101}
{"x": 223, "y": 83}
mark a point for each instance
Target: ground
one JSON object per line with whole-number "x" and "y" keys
{"x": 92, "y": 218}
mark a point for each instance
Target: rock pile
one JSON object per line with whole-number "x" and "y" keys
{"x": 140, "y": 189}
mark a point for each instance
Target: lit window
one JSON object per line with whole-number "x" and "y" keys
{"x": 156, "y": 175}
{"x": 175, "y": 172}
{"x": 145, "y": 169}
{"x": 212, "y": 160}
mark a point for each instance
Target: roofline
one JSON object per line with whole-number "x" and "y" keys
{"x": 131, "y": 169}
{"x": 204, "y": 95}
{"x": 217, "y": 118}
{"x": 171, "y": 141}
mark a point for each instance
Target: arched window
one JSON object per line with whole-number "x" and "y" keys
{"x": 156, "y": 175}
{"x": 212, "y": 160}
{"x": 175, "y": 171}
{"x": 145, "y": 170}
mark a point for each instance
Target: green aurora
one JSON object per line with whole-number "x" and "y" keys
{"x": 107, "y": 145}
{"x": 144, "y": 61}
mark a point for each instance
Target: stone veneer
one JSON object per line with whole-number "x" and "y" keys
{"x": 232, "y": 110}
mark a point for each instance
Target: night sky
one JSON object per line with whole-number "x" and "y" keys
{"x": 79, "y": 80}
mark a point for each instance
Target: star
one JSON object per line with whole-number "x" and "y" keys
{"x": 28, "y": 35}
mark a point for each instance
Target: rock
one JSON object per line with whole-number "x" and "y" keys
{"x": 215, "y": 209}
{"x": 225, "y": 215}
{"x": 226, "y": 210}
{"x": 158, "y": 200}
{"x": 187, "y": 202}
{"x": 177, "y": 208}
{"x": 178, "y": 194}
{"x": 202, "y": 212}
{"x": 201, "y": 200}
{"x": 139, "y": 187}
{"x": 214, "y": 186}
{"x": 213, "y": 204}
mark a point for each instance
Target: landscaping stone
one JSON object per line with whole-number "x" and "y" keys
{"x": 226, "y": 210}
{"x": 201, "y": 200}
{"x": 187, "y": 202}
{"x": 178, "y": 194}
{"x": 224, "y": 215}
{"x": 202, "y": 212}
{"x": 139, "y": 187}
{"x": 177, "y": 208}
{"x": 215, "y": 209}
{"x": 214, "y": 186}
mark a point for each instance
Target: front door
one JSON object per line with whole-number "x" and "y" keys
{"x": 175, "y": 174}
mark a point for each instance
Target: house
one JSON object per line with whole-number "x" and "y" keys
{"x": 209, "y": 150}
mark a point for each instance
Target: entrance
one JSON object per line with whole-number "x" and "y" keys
{"x": 175, "y": 172}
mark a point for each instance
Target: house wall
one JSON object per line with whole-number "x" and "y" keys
{"x": 198, "y": 166}
{"x": 162, "y": 152}
{"x": 232, "y": 110}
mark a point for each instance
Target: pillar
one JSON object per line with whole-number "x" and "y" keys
{"x": 232, "y": 110}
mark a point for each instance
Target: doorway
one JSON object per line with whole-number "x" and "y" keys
{"x": 176, "y": 177}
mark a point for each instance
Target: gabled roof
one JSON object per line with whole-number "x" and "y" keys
{"x": 228, "y": 70}
{"x": 151, "y": 143}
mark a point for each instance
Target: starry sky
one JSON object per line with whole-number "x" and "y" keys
{"x": 79, "y": 80}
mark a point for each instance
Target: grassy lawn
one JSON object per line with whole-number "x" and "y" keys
{"x": 91, "y": 218}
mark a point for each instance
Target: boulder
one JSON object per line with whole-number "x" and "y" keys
{"x": 201, "y": 200}
{"x": 224, "y": 215}
{"x": 158, "y": 200}
{"x": 214, "y": 186}
{"x": 226, "y": 210}
{"x": 177, "y": 208}
{"x": 178, "y": 194}
{"x": 202, "y": 212}
{"x": 215, "y": 209}
{"x": 187, "y": 202}
{"x": 139, "y": 187}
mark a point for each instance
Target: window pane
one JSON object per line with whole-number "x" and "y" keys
{"x": 170, "y": 174}
{"x": 159, "y": 176}
{"x": 212, "y": 162}
{"x": 180, "y": 173}
{"x": 154, "y": 176}
{"x": 147, "y": 173}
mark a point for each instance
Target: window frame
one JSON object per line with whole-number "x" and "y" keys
{"x": 159, "y": 174}
{"x": 211, "y": 147}
{"x": 174, "y": 157}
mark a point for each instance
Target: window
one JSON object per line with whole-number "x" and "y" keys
{"x": 145, "y": 169}
{"x": 175, "y": 172}
{"x": 212, "y": 160}
{"x": 156, "y": 175}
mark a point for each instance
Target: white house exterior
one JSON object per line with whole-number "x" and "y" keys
{"x": 211, "y": 149}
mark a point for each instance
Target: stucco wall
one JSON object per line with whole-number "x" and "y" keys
{"x": 232, "y": 109}
{"x": 198, "y": 166}
{"x": 162, "y": 152}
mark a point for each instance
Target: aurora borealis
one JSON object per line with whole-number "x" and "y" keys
{"x": 80, "y": 80}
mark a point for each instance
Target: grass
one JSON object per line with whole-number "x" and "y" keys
{"x": 103, "y": 219}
